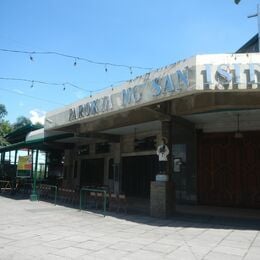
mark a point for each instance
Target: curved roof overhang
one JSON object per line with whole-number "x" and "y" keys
{"x": 197, "y": 78}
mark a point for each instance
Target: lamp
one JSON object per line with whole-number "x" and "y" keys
{"x": 238, "y": 134}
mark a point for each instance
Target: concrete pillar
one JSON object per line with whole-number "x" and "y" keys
{"x": 162, "y": 193}
{"x": 162, "y": 199}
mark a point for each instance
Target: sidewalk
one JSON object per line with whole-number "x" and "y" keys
{"x": 39, "y": 230}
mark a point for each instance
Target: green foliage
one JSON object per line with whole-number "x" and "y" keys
{"x": 21, "y": 121}
{"x": 3, "y": 111}
{"x": 39, "y": 125}
{"x": 5, "y": 126}
{"x": 5, "y": 129}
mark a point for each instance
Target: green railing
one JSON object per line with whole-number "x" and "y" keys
{"x": 49, "y": 187}
{"x": 93, "y": 190}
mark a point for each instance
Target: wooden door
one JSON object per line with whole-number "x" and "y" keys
{"x": 229, "y": 169}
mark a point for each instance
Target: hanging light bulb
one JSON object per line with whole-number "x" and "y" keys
{"x": 90, "y": 93}
{"x": 31, "y": 58}
{"x": 75, "y": 62}
{"x": 64, "y": 87}
{"x": 106, "y": 68}
{"x": 131, "y": 71}
{"x": 32, "y": 84}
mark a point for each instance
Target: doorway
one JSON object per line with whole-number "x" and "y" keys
{"x": 92, "y": 172}
{"x": 229, "y": 169}
{"x": 137, "y": 173}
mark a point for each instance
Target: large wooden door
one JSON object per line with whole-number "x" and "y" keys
{"x": 229, "y": 169}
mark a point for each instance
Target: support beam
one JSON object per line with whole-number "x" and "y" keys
{"x": 34, "y": 195}
{"x": 102, "y": 136}
{"x": 158, "y": 115}
{"x": 132, "y": 117}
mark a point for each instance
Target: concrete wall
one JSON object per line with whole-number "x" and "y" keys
{"x": 183, "y": 132}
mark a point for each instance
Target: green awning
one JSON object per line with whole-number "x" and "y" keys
{"x": 35, "y": 143}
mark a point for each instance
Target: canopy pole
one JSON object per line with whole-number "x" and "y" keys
{"x": 34, "y": 195}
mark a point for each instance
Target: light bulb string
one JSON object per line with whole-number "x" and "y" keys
{"x": 75, "y": 58}
{"x": 63, "y": 85}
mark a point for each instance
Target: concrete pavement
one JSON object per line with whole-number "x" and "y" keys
{"x": 40, "y": 230}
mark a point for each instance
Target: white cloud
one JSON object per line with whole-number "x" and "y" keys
{"x": 37, "y": 116}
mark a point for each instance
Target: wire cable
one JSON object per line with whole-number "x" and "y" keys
{"x": 43, "y": 82}
{"x": 63, "y": 85}
{"x": 33, "y": 97}
{"x": 75, "y": 58}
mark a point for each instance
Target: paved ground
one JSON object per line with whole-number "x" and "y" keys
{"x": 39, "y": 230}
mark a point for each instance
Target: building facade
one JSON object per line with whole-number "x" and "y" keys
{"x": 208, "y": 109}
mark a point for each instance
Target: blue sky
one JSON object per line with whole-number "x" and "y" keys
{"x": 132, "y": 32}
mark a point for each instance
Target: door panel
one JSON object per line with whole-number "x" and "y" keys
{"x": 229, "y": 169}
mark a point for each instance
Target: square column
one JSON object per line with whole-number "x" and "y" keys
{"x": 162, "y": 199}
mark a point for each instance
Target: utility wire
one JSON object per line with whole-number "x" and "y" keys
{"x": 64, "y": 84}
{"x": 76, "y": 58}
{"x": 33, "y": 97}
{"x": 43, "y": 82}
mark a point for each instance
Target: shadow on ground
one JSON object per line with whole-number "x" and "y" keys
{"x": 179, "y": 219}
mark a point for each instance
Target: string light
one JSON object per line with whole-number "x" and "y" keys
{"x": 105, "y": 68}
{"x": 44, "y": 83}
{"x": 64, "y": 84}
{"x": 75, "y": 58}
{"x": 131, "y": 71}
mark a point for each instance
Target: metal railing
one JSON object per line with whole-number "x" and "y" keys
{"x": 48, "y": 187}
{"x": 93, "y": 190}
{"x": 5, "y": 185}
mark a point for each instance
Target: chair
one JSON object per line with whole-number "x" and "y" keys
{"x": 113, "y": 202}
{"x": 122, "y": 202}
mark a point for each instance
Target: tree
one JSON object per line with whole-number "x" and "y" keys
{"x": 5, "y": 126}
{"x": 38, "y": 124}
{"x": 3, "y": 111}
{"x": 5, "y": 129}
{"x": 21, "y": 121}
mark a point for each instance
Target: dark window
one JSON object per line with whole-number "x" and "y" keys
{"x": 145, "y": 144}
{"x": 102, "y": 148}
{"x": 83, "y": 150}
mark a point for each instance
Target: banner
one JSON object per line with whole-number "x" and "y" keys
{"x": 24, "y": 166}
